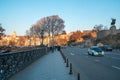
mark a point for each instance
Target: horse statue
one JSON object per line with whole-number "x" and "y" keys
{"x": 113, "y": 21}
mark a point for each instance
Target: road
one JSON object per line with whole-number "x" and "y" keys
{"x": 106, "y": 67}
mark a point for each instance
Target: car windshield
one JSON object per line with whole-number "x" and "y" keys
{"x": 108, "y": 47}
{"x": 96, "y": 49}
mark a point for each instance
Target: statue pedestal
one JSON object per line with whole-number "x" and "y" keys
{"x": 113, "y": 29}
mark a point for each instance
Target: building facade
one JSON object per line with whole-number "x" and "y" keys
{"x": 104, "y": 33}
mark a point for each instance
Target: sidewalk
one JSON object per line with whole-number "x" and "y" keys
{"x": 49, "y": 67}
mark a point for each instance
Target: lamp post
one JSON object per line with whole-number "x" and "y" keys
{"x": 42, "y": 34}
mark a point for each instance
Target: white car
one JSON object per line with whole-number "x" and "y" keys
{"x": 95, "y": 51}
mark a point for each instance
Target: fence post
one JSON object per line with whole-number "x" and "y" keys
{"x": 64, "y": 59}
{"x": 70, "y": 69}
{"x": 78, "y": 76}
{"x": 67, "y": 64}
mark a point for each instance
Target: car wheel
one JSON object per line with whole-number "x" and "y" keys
{"x": 88, "y": 53}
{"x": 92, "y": 54}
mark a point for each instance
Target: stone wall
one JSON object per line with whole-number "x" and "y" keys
{"x": 11, "y": 63}
{"x": 118, "y": 31}
{"x": 103, "y": 33}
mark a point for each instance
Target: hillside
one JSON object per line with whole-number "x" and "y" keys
{"x": 113, "y": 40}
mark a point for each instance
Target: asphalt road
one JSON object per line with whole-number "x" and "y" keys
{"x": 106, "y": 67}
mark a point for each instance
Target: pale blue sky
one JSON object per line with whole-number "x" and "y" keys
{"x": 19, "y": 15}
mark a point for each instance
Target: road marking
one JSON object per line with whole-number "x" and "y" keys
{"x": 116, "y": 67}
{"x": 96, "y": 60}
{"x": 72, "y": 54}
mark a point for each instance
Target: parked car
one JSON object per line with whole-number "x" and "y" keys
{"x": 95, "y": 51}
{"x": 106, "y": 48}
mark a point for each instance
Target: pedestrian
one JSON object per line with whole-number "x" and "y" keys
{"x": 58, "y": 47}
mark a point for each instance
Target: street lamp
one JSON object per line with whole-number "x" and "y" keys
{"x": 42, "y": 34}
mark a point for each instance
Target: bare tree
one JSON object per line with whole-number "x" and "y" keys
{"x": 28, "y": 34}
{"x": 64, "y": 32}
{"x": 51, "y": 25}
{"x": 35, "y": 29}
{"x": 1, "y": 31}
{"x": 35, "y": 32}
{"x": 99, "y": 27}
{"x": 105, "y": 27}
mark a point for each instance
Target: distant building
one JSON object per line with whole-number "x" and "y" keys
{"x": 104, "y": 33}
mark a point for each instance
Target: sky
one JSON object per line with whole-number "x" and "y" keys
{"x": 19, "y": 15}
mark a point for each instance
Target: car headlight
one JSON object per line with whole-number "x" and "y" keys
{"x": 102, "y": 53}
{"x": 95, "y": 53}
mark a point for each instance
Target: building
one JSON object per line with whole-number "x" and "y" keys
{"x": 104, "y": 33}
